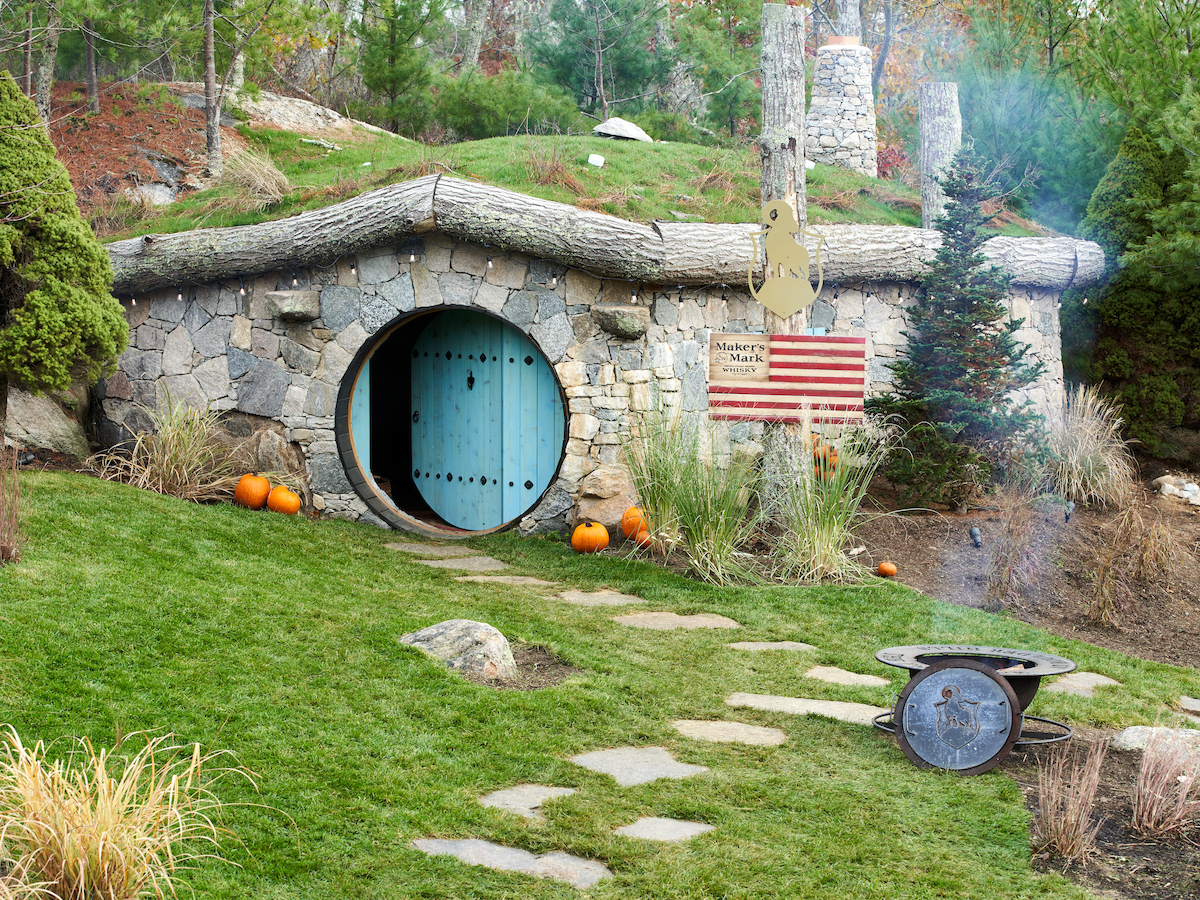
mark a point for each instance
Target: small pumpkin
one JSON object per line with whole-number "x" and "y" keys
{"x": 283, "y": 500}
{"x": 633, "y": 521}
{"x": 887, "y": 569}
{"x": 252, "y": 491}
{"x": 590, "y": 537}
{"x": 643, "y": 539}
{"x": 825, "y": 459}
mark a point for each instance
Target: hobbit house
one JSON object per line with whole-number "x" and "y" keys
{"x": 449, "y": 358}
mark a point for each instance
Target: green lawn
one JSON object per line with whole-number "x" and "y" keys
{"x": 276, "y": 638}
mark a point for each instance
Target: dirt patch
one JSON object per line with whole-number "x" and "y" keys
{"x": 538, "y": 668}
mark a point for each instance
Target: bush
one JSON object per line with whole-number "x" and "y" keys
{"x": 1066, "y": 798}
{"x": 95, "y": 826}
{"x": 1089, "y": 461}
{"x": 477, "y": 106}
{"x": 1166, "y": 796}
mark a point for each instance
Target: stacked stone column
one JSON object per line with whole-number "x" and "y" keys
{"x": 840, "y": 126}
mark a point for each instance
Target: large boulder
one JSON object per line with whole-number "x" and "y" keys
{"x": 622, "y": 129}
{"x": 41, "y": 422}
{"x": 466, "y": 646}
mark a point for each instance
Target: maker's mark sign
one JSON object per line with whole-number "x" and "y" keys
{"x": 738, "y": 357}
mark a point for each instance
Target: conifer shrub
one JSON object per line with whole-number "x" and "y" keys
{"x": 953, "y": 385}
{"x": 60, "y": 323}
{"x": 477, "y": 106}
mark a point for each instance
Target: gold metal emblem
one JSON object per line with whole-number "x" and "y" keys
{"x": 786, "y": 289}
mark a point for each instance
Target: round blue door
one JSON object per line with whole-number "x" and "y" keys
{"x": 488, "y": 426}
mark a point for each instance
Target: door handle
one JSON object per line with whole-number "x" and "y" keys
{"x": 416, "y": 416}
{"x": 470, "y": 381}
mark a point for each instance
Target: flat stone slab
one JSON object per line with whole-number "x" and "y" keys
{"x": 440, "y": 551}
{"x": 665, "y": 621}
{"x": 600, "y": 598}
{"x": 577, "y": 872}
{"x": 1137, "y": 736}
{"x": 524, "y": 799}
{"x": 467, "y": 564}
{"x": 834, "y": 675}
{"x": 763, "y": 646}
{"x": 527, "y": 580}
{"x": 636, "y": 765}
{"x": 855, "y": 713}
{"x": 730, "y": 732}
{"x": 653, "y": 828}
{"x": 1189, "y": 705}
{"x": 1082, "y": 684}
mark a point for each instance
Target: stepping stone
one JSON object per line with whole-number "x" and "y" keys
{"x": 1189, "y": 705}
{"x": 524, "y": 799}
{"x": 665, "y": 621}
{"x": 636, "y": 765}
{"x": 600, "y": 598}
{"x": 730, "y": 733}
{"x": 652, "y": 828}
{"x": 834, "y": 675}
{"x": 519, "y": 580}
{"x": 1082, "y": 684}
{"x": 855, "y": 713}
{"x": 441, "y": 551}
{"x": 577, "y": 872}
{"x": 467, "y": 563}
{"x": 761, "y": 646}
{"x": 1137, "y": 737}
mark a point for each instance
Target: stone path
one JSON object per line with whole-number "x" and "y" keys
{"x": 525, "y": 799}
{"x": 636, "y": 765}
{"x": 580, "y": 873}
{"x": 466, "y": 563}
{"x": 666, "y": 621}
{"x": 855, "y": 713}
{"x": 519, "y": 580}
{"x": 761, "y": 646}
{"x": 730, "y": 733}
{"x": 440, "y": 551}
{"x": 652, "y": 828}
{"x": 834, "y": 675}
{"x": 600, "y": 598}
{"x": 1082, "y": 684}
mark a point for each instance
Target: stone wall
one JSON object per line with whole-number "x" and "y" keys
{"x": 277, "y": 353}
{"x": 840, "y": 125}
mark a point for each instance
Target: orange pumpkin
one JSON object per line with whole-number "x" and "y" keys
{"x": 252, "y": 491}
{"x": 887, "y": 569}
{"x": 825, "y": 459}
{"x": 633, "y": 521}
{"x": 590, "y": 537}
{"x": 283, "y": 501}
{"x": 643, "y": 539}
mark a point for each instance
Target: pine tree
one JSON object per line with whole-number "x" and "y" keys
{"x": 952, "y": 387}
{"x": 60, "y": 322}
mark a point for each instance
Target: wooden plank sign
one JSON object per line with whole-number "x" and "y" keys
{"x": 825, "y": 374}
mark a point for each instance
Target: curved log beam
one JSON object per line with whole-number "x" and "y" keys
{"x": 663, "y": 253}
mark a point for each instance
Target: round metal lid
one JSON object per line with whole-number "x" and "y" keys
{"x": 958, "y": 715}
{"x": 1006, "y": 661}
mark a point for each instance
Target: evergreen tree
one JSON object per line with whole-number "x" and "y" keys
{"x": 395, "y": 61}
{"x": 721, "y": 41}
{"x": 60, "y": 322}
{"x": 952, "y": 387}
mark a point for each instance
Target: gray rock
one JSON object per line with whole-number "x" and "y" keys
{"x": 378, "y": 269}
{"x": 196, "y": 317}
{"x": 211, "y": 340}
{"x": 821, "y": 315}
{"x": 328, "y": 475}
{"x": 636, "y": 765}
{"x": 616, "y": 127}
{"x": 654, "y": 828}
{"x": 298, "y": 357}
{"x": 240, "y": 362}
{"x": 40, "y": 422}
{"x": 695, "y": 390}
{"x": 294, "y": 306}
{"x": 458, "y": 288}
{"x": 729, "y": 732}
{"x": 518, "y": 580}
{"x": 168, "y": 309}
{"x": 855, "y": 713}
{"x": 760, "y": 646}
{"x": 1138, "y": 736}
{"x": 554, "y": 336}
{"x": 550, "y": 305}
{"x": 834, "y": 675}
{"x": 177, "y": 352}
{"x": 262, "y": 389}
{"x": 339, "y": 305}
{"x": 626, "y": 322}
{"x": 466, "y": 563}
{"x": 376, "y": 312}
{"x": 577, "y": 872}
{"x": 524, "y": 799}
{"x": 321, "y": 399}
{"x": 521, "y": 307}
{"x": 666, "y": 621}
{"x": 600, "y": 598}
{"x": 399, "y": 293}
{"x": 665, "y": 312}
{"x": 141, "y": 364}
{"x": 466, "y": 646}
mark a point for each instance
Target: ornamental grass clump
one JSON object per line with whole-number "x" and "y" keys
{"x": 694, "y": 496}
{"x": 1166, "y": 796}
{"x": 816, "y": 506}
{"x": 1064, "y": 825}
{"x": 100, "y": 827}
{"x": 12, "y": 509}
{"x": 1089, "y": 461}
{"x": 182, "y": 456}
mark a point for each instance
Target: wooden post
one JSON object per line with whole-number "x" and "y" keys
{"x": 941, "y": 136}
{"x": 781, "y": 142}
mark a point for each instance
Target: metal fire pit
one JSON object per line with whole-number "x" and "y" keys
{"x": 963, "y": 707}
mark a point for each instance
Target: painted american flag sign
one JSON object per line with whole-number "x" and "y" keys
{"x": 774, "y": 377}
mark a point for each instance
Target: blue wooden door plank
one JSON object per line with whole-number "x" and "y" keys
{"x": 360, "y": 418}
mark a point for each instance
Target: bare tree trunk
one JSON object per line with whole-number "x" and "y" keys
{"x": 235, "y": 78}
{"x": 849, "y": 23}
{"x": 599, "y": 53}
{"x": 49, "y": 56}
{"x": 881, "y": 55}
{"x": 941, "y": 136}
{"x": 781, "y": 141}
{"x": 27, "y": 56}
{"x": 212, "y": 105}
{"x": 93, "y": 80}
{"x": 475, "y": 13}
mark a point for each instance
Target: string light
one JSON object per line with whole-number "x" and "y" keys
{"x": 554, "y": 282}
{"x": 242, "y": 286}
{"x": 724, "y": 294}
{"x": 179, "y": 296}
{"x": 353, "y": 268}
{"x": 412, "y": 257}
{"x": 295, "y": 280}
{"x": 133, "y": 299}
{"x": 489, "y": 262}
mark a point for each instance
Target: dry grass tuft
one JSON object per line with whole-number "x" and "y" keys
{"x": 1166, "y": 797}
{"x": 183, "y": 456}
{"x": 1090, "y": 461}
{"x": 1013, "y": 564}
{"x": 1066, "y": 798}
{"x": 253, "y": 181}
{"x": 1129, "y": 548}
{"x": 544, "y": 164}
{"x": 12, "y": 509}
{"x": 100, "y": 827}
{"x": 718, "y": 178}
{"x": 844, "y": 201}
